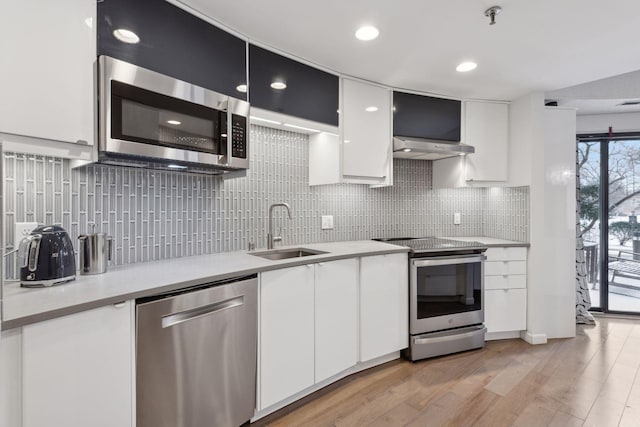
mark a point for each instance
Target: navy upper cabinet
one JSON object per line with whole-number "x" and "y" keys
{"x": 420, "y": 116}
{"x": 309, "y": 93}
{"x": 175, "y": 43}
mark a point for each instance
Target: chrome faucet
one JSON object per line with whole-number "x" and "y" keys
{"x": 271, "y": 239}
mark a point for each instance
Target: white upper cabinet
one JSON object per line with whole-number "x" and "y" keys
{"x": 46, "y": 78}
{"x": 487, "y": 129}
{"x": 366, "y": 131}
{"x": 362, "y": 154}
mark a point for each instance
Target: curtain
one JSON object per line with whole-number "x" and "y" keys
{"x": 583, "y": 299}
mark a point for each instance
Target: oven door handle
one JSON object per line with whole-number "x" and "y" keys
{"x": 452, "y": 337}
{"x": 447, "y": 261}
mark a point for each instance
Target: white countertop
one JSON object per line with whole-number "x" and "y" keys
{"x": 23, "y": 306}
{"x": 491, "y": 241}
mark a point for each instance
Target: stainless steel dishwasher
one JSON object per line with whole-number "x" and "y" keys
{"x": 196, "y": 356}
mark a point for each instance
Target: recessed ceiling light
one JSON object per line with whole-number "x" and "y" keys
{"x": 371, "y": 109}
{"x": 176, "y": 167}
{"x": 278, "y": 85}
{"x": 367, "y": 33}
{"x": 466, "y": 66}
{"x": 406, "y": 150}
{"x": 126, "y": 36}
{"x": 174, "y": 122}
{"x": 241, "y": 88}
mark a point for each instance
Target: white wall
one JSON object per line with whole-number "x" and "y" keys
{"x": 599, "y": 123}
{"x": 542, "y": 155}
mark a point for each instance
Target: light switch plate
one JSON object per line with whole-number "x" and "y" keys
{"x": 21, "y": 230}
{"x": 327, "y": 222}
{"x": 456, "y": 218}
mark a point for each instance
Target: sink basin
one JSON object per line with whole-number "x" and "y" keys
{"x": 277, "y": 254}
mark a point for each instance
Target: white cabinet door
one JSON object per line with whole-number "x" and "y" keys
{"x": 78, "y": 369}
{"x": 10, "y": 378}
{"x": 286, "y": 333}
{"x": 487, "y": 129}
{"x": 46, "y": 78}
{"x": 384, "y": 305}
{"x": 499, "y": 268}
{"x": 336, "y": 325}
{"x": 505, "y": 310}
{"x": 366, "y": 127}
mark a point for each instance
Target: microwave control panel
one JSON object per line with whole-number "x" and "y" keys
{"x": 238, "y": 136}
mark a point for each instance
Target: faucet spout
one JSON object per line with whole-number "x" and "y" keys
{"x": 271, "y": 239}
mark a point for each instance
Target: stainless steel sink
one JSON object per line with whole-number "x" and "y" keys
{"x": 277, "y": 254}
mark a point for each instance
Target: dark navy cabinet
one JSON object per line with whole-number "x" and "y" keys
{"x": 175, "y": 43}
{"x": 429, "y": 117}
{"x": 310, "y": 93}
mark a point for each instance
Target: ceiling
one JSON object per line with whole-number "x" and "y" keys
{"x": 539, "y": 45}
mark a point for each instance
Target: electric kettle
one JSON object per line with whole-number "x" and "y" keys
{"x": 96, "y": 250}
{"x": 46, "y": 257}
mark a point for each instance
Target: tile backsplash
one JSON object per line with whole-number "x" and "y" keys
{"x": 156, "y": 215}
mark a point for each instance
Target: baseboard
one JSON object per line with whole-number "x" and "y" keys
{"x": 533, "y": 338}
{"x": 491, "y": 336}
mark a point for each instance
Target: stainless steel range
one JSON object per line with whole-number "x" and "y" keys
{"x": 446, "y": 296}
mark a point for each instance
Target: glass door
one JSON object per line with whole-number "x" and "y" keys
{"x": 623, "y": 263}
{"x": 609, "y": 179}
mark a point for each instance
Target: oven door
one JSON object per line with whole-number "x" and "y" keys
{"x": 446, "y": 292}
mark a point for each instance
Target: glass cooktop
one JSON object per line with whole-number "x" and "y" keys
{"x": 434, "y": 244}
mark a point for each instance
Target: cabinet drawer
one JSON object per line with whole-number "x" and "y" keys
{"x": 506, "y": 254}
{"x": 515, "y": 281}
{"x": 500, "y": 268}
{"x": 505, "y": 310}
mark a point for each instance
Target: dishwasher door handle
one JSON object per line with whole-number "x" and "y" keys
{"x": 195, "y": 313}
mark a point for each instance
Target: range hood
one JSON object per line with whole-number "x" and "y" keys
{"x": 428, "y": 149}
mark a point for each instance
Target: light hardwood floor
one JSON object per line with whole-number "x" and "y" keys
{"x": 591, "y": 380}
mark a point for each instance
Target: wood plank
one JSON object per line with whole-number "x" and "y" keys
{"x": 592, "y": 379}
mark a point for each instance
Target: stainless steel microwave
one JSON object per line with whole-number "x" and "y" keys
{"x": 146, "y": 118}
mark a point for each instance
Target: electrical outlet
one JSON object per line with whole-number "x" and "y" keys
{"x": 21, "y": 230}
{"x": 327, "y": 222}
{"x": 456, "y": 218}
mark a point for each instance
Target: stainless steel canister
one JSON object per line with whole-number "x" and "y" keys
{"x": 96, "y": 250}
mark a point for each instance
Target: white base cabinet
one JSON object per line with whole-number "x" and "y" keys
{"x": 384, "y": 305}
{"x": 505, "y": 284}
{"x": 46, "y": 78}
{"x": 319, "y": 320}
{"x": 308, "y": 326}
{"x": 77, "y": 370}
{"x": 336, "y": 317}
{"x": 286, "y": 363}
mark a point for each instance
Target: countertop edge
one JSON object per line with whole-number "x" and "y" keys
{"x": 26, "y": 320}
